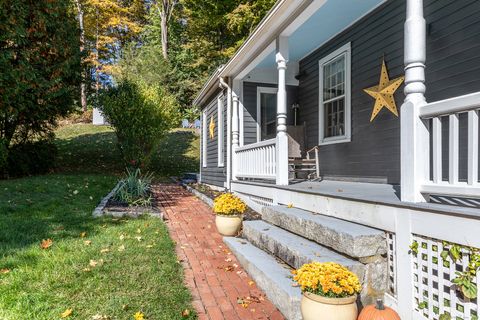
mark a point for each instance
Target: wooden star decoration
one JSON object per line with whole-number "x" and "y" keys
{"x": 383, "y": 93}
{"x": 212, "y": 128}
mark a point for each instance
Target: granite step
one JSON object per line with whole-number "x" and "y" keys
{"x": 293, "y": 249}
{"x": 354, "y": 240}
{"x": 273, "y": 277}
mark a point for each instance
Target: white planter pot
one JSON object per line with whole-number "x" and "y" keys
{"x": 315, "y": 307}
{"x": 228, "y": 225}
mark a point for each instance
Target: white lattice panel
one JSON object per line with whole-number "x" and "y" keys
{"x": 434, "y": 292}
{"x": 392, "y": 264}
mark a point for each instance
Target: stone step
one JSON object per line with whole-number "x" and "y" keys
{"x": 293, "y": 249}
{"x": 270, "y": 275}
{"x": 354, "y": 240}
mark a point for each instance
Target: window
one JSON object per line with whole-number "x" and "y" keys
{"x": 334, "y": 97}
{"x": 266, "y": 113}
{"x": 221, "y": 131}
{"x": 204, "y": 138}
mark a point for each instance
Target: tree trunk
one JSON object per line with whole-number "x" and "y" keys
{"x": 83, "y": 91}
{"x": 164, "y": 28}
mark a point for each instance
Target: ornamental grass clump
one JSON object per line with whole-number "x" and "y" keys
{"x": 228, "y": 204}
{"x": 329, "y": 280}
{"x": 134, "y": 189}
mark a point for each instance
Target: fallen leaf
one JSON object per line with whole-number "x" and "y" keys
{"x": 122, "y": 237}
{"x": 185, "y": 313}
{"x": 121, "y": 248}
{"x": 86, "y": 270}
{"x": 228, "y": 260}
{"x": 139, "y": 316}
{"x": 93, "y": 263}
{"x": 149, "y": 246}
{"x": 45, "y": 244}
{"x": 66, "y": 313}
{"x": 105, "y": 250}
{"x": 124, "y": 307}
{"x": 251, "y": 283}
{"x": 290, "y": 205}
{"x": 83, "y": 234}
{"x": 4, "y": 271}
{"x": 87, "y": 242}
{"x": 138, "y": 238}
{"x": 235, "y": 265}
{"x": 139, "y": 231}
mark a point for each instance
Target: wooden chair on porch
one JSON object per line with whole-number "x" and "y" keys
{"x": 302, "y": 163}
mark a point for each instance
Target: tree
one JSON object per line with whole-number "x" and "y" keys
{"x": 83, "y": 91}
{"x": 39, "y": 67}
{"x": 165, "y": 11}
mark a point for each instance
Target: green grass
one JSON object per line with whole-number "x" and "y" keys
{"x": 41, "y": 284}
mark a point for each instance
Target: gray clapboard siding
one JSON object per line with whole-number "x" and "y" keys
{"x": 213, "y": 174}
{"x": 453, "y": 68}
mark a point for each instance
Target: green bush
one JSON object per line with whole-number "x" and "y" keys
{"x": 134, "y": 189}
{"x": 141, "y": 115}
{"x": 31, "y": 158}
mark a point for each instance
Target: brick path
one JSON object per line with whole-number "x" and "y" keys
{"x": 218, "y": 283}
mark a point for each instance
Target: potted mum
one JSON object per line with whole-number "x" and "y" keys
{"x": 229, "y": 211}
{"x": 329, "y": 291}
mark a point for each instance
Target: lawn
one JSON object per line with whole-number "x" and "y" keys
{"x": 95, "y": 267}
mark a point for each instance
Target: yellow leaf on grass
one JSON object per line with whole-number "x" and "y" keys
{"x": 185, "y": 313}
{"x": 4, "y": 271}
{"x": 87, "y": 242}
{"x": 67, "y": 313}
{"x": 83, "y": 234}
{"x": 105, "y": 250}
{"x": 45, "y": 244}
{"x": 139, "y": 316}
{"x": 121, "y": 248}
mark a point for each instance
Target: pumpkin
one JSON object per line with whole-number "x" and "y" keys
{"x": 378, "y": 311}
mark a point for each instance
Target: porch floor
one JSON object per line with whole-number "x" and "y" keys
{"x": 377, "y": 193}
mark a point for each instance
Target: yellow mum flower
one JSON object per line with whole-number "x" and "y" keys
{"x": 327, "y": 279}
{"x": 228, "y": 204}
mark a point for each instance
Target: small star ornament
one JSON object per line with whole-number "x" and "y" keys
{"x": 383, "y": 93}
{"x": 211, "y": 127}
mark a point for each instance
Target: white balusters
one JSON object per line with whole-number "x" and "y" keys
{"x": 472, "y": 147}
{"x": 453, "y": 150}
{"x": 257, "y": 161}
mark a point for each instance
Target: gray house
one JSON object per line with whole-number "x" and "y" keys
{"x": 362, "y": 115}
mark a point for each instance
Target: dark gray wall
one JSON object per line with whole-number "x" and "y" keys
{"x": 453, "y": 53}
{"x": 250, "y": 108}
{"x": 213, "y": 174}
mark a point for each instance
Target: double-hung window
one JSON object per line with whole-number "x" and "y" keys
{"x": 221, "y": 131}
{"x": 334, "y": 97}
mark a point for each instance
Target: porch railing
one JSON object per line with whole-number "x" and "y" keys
{"x": 468, "y": 105}
{"x": 256, "y": 161}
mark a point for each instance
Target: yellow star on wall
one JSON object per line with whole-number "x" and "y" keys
{"x": 212, "y": 128}
{"x": 383, "y": 93}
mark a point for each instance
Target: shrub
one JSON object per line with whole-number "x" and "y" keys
{"x": 228, "y": 204}
{"x": 141, "y": 115}
{"x": 39, "y": 67}
{"x": 31, "y": 158}
{"x": 328, "y": 279}
{"x": 134, "y": 189}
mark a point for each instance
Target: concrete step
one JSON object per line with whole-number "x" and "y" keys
{"x": 354, "y": 240}
{"x": 293, "y": 249}
{"x": 270, "y": 275}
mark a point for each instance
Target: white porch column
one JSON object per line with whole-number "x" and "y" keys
{"x": 282, "y": 138}
{"x": 235, "y": 131}
{"x": 414, "y": 131}
{"x": 229, "y": 132}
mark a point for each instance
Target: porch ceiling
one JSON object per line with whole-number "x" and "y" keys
{"x": 329, "y": 18}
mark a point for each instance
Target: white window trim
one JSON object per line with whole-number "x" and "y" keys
{"x": 347, "y": 51}
{"x": 204, "y": 138}
{"x": 221, "y": 130}
{"x": 261, "y": 90}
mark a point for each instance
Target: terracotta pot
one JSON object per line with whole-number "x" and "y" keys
{"x": 315, "y": 307}
{"x": 228, "y": 225}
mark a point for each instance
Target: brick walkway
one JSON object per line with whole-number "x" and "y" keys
{"x": 220, "y": 288}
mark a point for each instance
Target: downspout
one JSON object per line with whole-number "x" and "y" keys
{"x": 224, "y": 85}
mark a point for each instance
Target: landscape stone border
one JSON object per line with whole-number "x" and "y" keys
{"x": 198, "y": 194}
{"x": 101, "y": 209}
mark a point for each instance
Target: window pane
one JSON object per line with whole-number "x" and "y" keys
{"x": 333, "y": 97}
{"x": 268, "y": 122}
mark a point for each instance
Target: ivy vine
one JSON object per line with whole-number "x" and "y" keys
{"x": 464, "y": 280}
